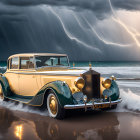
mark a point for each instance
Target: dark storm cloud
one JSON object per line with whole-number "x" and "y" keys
{"x": 127, "y": 4}
{"x": 100, "y": 8}
{"x": 31, "y": 26}
{"x": 85, "y": 4}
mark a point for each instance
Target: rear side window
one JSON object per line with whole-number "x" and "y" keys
{"x": 14, "y": 63}
{"x": 26, "y": 63}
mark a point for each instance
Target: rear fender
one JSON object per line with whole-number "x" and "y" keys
{"x": 5, "y": 86}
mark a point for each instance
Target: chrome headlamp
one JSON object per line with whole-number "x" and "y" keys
{"x": 79, "y": 83}
{"x": 106, "y": 83}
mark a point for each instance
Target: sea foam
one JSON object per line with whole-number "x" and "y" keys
{"x": 130, "y": 103}
{"x": 22, "y": 107}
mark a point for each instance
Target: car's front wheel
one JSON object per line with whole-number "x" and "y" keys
{"x": 54, "y": 108}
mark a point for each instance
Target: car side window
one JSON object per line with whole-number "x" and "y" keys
{"x": 14, "y": 63}
{"x": 26, "y": 63}
{"x": 52, "y": 61}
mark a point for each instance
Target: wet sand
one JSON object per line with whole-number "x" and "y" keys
{"x": 78, "y": 126}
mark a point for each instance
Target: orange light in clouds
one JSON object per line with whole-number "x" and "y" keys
{"x": 130, "y": 30}
{"x": 18, "y": 131}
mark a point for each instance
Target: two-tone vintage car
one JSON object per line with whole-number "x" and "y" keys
{"x": 47, "y": 80}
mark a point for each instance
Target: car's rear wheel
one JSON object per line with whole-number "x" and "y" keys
{"x": 1, "y": 93}
{"x": 54, "y": 108}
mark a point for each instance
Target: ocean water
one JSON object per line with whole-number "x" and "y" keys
{"x": 127, "y": 73}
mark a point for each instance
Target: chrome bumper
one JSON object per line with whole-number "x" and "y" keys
{"x": 93, "y": 105}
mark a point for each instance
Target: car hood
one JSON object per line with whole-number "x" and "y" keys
{"x": 64, "y": 72}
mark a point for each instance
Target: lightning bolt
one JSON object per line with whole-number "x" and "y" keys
{"x": 135, "y": 31}
{"x": 70, "y": 36}
{"x": 127, "y": 29}
{"x": 98, "y": 36}
{"x": 101, "y": 39}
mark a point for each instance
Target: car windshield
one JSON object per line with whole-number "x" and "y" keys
{"x": 44, "y": 61}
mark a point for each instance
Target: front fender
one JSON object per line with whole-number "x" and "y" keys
{"x": 113, "y": 92}
{"x": 61, "y": 90}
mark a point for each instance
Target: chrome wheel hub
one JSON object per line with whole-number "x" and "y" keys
{"x": 53, "y": 105}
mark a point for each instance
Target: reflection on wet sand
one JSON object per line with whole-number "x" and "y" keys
{"x": 20, "y": 125}
{"x": 18, "y": 131}
{"x": 86, "y": 128}
{"x": 6, "y": 120}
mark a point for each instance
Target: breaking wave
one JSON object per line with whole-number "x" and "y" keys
{"x": 130, "y": 102}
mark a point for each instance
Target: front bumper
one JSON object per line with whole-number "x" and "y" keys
{"x": 93, "y": 105}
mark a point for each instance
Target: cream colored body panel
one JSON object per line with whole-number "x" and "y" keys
{"x": 23, "y": 83}
{"x": 13, "y": 80}
{"x": 28, "y": 83}
{"x": 68, "y": 79}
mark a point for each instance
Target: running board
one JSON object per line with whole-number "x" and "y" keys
{"x": 19, "y": 98}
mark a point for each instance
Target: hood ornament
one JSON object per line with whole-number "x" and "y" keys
{"x": 90, "y": 66}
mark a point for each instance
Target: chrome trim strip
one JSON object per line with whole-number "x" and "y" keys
{"x": 77, "y": 106}
{"x": 51, "y": 74}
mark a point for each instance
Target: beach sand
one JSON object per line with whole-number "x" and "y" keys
{"x": 77, "y": 126}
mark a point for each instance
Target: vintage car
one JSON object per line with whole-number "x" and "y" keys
{"x": 47, "y": 80}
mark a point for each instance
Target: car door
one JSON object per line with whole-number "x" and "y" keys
{"x": 27, "y": 79}
{"x": 12, "y": 75}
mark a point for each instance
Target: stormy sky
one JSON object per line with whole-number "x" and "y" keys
{"x": 86, "y": 30}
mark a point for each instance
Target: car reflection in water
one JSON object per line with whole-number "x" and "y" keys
{"x": 20, "y": 125}
{"x": 95, "y": 127}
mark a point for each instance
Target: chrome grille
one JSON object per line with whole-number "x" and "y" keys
{"x": 92, "y": 84}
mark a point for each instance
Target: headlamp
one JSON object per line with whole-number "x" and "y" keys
{"x": 106, "y": 83}
{"x": 79, "y": 83}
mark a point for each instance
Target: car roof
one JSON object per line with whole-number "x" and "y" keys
{"x": 36, "y": 54}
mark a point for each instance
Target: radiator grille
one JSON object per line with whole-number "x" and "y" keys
{"x": 92, "y": 84}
